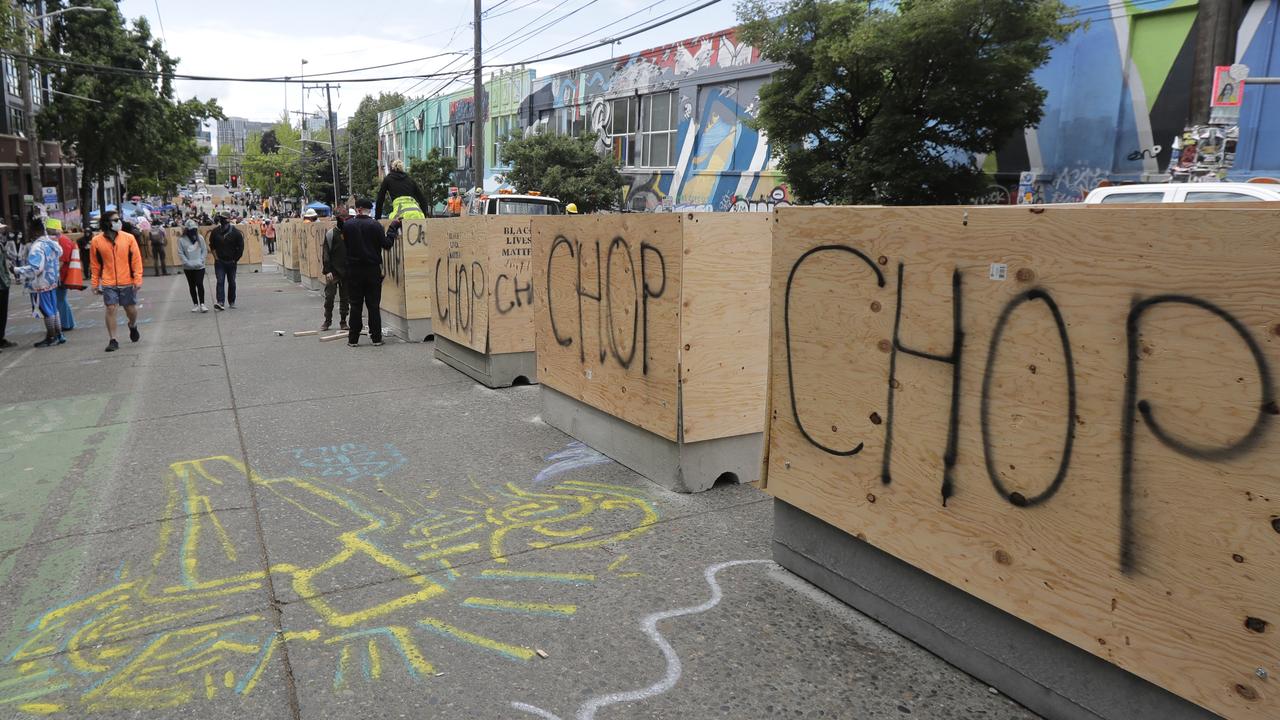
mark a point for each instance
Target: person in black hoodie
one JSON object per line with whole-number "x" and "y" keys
{"x": 365, "y": 240}
{"x": 406, "y": 200}
{"x": 227, "y": 245}
{"x": 333, "y": 260}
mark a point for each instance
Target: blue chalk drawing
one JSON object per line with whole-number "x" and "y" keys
{"x": 574, "y": 456}
{"x": 351, "y": 462}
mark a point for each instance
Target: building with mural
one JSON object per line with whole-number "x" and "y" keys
{"x": 676, "y": 117}
{"x": 1121, "y": 106}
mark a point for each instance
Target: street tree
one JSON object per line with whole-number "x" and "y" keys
{"x": 892, "y": 103}
{"x": 260, "y": 168}
{"x": 118, "y": 113}
{"x": 434, "y": 175}
{"x": 268, "y": 143}
{"x": 564, "y": 167}
{"x": 362, "y": 133}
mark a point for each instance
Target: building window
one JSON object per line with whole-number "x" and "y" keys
{"x": 622, "y": 130}
{"x": 502, "y": 127}
{"x": 658, "y": 129}
{"x": 11, "y": 76}
{"x": 462, "y": 145}
{"x": 17, "y": 121}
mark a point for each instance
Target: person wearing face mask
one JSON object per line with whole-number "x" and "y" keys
{"x": 193, "y": 253}
{"x": 116, "y": 263}
{"x": 227, "y": 245}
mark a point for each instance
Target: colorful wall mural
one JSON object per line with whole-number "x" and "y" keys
{"x": 1119, "y": 93}
{"x": 678, "y": 116}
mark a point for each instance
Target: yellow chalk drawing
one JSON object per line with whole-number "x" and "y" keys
{"x": 187, "y": 626}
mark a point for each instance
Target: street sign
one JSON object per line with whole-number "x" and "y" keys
{"x": 50, "y": 195}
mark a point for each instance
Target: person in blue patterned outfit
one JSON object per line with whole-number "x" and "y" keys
{"x": 41, "y": 274}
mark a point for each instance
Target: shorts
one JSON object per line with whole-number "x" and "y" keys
{"x": 45, "y": 303}
{"x": 125, "y": 295}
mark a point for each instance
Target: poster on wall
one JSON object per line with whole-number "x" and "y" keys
{"x": 1228, "y": 85}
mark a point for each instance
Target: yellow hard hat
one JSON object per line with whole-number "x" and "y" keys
{"x": 571, "y": 208}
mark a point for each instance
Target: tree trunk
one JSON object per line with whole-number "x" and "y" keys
{"x": 102, "y": 192}
{"x": 86, "y": 197}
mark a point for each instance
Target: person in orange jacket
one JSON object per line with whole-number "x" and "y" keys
{"x": 116, "y": 262}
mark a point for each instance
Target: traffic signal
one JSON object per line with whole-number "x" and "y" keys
{"x": 235, "y": 179}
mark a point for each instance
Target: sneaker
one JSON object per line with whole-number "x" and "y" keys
{"x": 45, "y": 342}
{"x": 61, "y": 340}
{"x": 218, "y": 306}
{"x": 195, "y": 308}
{"x": 343, "y": 326}
{"x": 351, "y": 344}
{"x": 113, "y": 345}
{"x": 324, "y": 327}
{"x": 7, "y": 343}
{"x": 204, "y": 308}
{"x": 232, "y": 306}
{"x": 134, "y": 335}
{"x": 377, "y": 343}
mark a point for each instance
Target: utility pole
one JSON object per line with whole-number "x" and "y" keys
{"x": 1216, "y": 24}
{"x": 477, "y": 130}
{"x": 351, "y": 184}
{"x": 33, "y": 145}
{"x": 333, "y": 143}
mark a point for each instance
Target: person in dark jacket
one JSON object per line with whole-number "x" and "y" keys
{"x": 406, "y": 200}
{"x": 333, "y": 259}
{"x": 365, "y": 241}
{"x": 227, "y": 245}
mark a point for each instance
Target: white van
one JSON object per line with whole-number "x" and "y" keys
{"x": 1184, "y": 193}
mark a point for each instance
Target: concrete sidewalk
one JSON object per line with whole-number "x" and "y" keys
{"x": 219, "y": 522}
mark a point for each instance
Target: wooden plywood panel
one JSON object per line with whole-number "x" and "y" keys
{"x": 608, "y": 327}
{"x": 460, "y": 278}
{"x": 393, "y": 276}
{"x": 286, "y": 242}
{"x": 510, "y": 288}
{"x": 1085, "y": 437}
{"x": 252, "y": 233}
{"x": 419, "y": 281}
{"x": 725, "y": 324}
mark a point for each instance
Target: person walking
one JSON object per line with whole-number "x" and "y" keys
{"x": 405, "y": 196}
{"x": 158, "y": 242}
{"x": 333, "y": 260}
{"x": 41, "y": 272}
{"x": 365, "y": 241}
{"x": 8, "y": 254}
{"x": 269, "y": 235}
{"x": 71, "y": 276}
{"x": 193, "y": 254}
{"x": 116, "y": 263}
{"x": 227, "y": 245}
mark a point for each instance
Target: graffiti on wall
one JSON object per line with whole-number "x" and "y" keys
{"x": 170, "y": 629}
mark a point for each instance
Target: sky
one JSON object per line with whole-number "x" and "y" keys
{"x": 268, "y": 38}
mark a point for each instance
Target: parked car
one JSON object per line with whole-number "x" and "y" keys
{"x": 1184, "y": 192}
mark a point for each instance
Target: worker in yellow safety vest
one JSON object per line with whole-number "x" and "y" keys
{"x": 406, "y": 199}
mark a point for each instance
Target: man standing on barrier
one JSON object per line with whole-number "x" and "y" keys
{"x": 365, "y": 241}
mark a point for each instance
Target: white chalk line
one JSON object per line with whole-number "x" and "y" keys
{"x": 650, "y": 627}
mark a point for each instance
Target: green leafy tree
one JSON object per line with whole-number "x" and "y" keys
{"x": 890, "y": 102}
{"x": 126, "y": 120}
{"x": 566, "y": 168}
{"x": 260, "y": 168}
{"x": 362, "y": 130}
{"x": 267, "y": 142}
{"x": 434, "y": 175}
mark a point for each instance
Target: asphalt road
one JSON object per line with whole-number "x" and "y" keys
{"x": 220, "y": 522}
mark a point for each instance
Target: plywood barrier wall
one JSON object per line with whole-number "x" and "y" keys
{"x": 1068, "y": 413}
{"x": 407, "y": 284}
{"x": 660, "y": 320}
{"x": 311, "y": 248}
{"x": 482, "y": 270}
{"x": 287, "y": 243}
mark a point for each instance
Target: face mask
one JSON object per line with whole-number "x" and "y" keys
{"x": 116, "y": 225}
